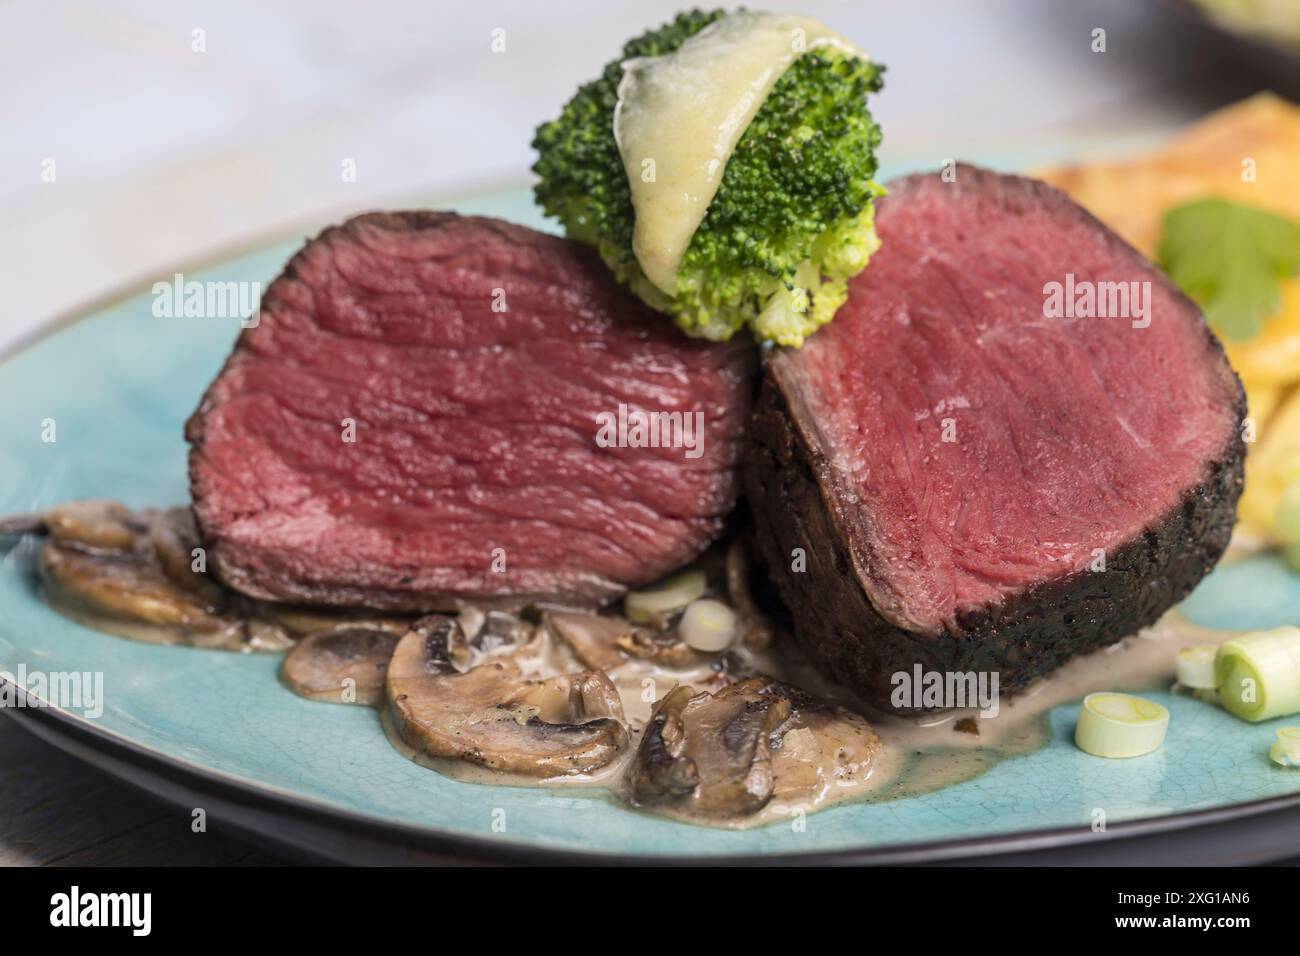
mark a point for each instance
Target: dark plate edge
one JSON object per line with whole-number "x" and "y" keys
{"x": 1257, "y": 831}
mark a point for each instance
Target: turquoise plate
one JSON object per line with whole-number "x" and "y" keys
{"x": 217, "y": 731}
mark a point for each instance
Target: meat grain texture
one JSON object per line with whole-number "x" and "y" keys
{"x": 467, "y": 360}
{"x": 946, "y": 477}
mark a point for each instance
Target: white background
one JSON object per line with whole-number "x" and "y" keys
{"x": 163, "y": 154}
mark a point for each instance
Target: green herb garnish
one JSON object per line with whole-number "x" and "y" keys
{"x": 1230, "y": 259}
{"x": 792, "y": 220}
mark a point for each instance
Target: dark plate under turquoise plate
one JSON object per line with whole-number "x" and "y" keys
{"x": 1273, "y": 62}
{"x": 217, "y": 730}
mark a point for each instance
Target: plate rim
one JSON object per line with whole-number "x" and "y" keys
{"x": 71, "y": 733}
{"x": 61, "y": 727}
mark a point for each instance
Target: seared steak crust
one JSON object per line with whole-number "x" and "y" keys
{"x": 892, "y": 549}
{"x": 1024, "y": 638}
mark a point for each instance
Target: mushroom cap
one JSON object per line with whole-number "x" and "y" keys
{"x": 98, "y": 525}
{"x": 123, "y": 587}
{"x": 605, "y": 642}
{"x": 173, "y": 537}
{"x": 711, "y": 752}
{"x": 592, "y": 637}
{"x": 493, "y": 716}
{"x": 347, "y": 665}
{"x": 725, "y": 755}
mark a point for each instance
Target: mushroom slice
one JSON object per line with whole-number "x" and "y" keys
{"x": 20, "y": 524}
{"x": 500, "y": 629}
{"x": 664, "y": 648}
{"x": 128, "y": 594}
{"x": 305, "y": 621}
{"x": 606, "y": 642}
{"x": 174, "y": 537}
{"x": 711, "y": 754}
{"x": 346, "y": 665}
{"x": 572, "y": 698}
{"x": 594, "y": 696}
{"x": 822, "y": 746}
{"x": 591, "y": 637}
{"x": 472, "y": 620}
{"x": 495, "y": 717}
{"x": 661, "y": 769}
{"x": 97, "y": 525}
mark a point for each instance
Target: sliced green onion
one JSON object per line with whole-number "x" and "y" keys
{"x": 708, "y": 625}
{"x": 1120, "y": 725}
{"x": 1286, "y": 749}
{"x": 655, "y": 605}
{"x": 1196, "y": 666}
{"x": 1259, "y": 674}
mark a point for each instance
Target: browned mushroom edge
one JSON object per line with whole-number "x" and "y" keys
{"x": 553, "y": 696}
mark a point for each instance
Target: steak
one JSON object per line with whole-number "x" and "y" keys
{"x": 948, "y": 476}
{"x": 415, "y": 424}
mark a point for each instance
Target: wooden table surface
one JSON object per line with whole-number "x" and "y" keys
{"x": 57, "y": 811}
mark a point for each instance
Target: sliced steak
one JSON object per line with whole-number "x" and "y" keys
{"x": 940, "y": 475}
{"x": 414, "y": 425}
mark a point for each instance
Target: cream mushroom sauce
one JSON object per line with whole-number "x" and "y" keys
{"x": 563, "y": 697}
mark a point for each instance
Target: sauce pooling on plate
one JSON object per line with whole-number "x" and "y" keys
{"x": 557, "y": 697}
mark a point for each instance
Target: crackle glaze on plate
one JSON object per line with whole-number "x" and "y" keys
{"x": 118, "y": 385}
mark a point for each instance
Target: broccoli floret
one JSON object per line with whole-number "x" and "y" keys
{"x": 792, "y": 218}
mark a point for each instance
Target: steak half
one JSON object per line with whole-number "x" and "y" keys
{"x": 473, "y": 359}
{"x": 976, "y": 486}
